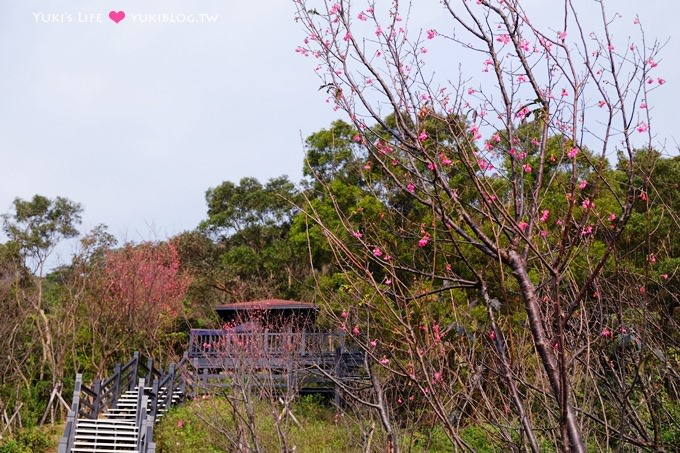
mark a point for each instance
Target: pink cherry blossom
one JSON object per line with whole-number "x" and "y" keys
{"x": 503, "y": 39}
{"x": 661, "y": 81}
{"x": 344, "y": 314}
{"x": 437, "y": 376}
{"x": 410, "y": 187}
{"x": 356, "y": 331}
{"x": 424, "y": 241}
{"x": 436, "y": 333}
{"x": 606, "y": 333}
{"x": 431, "y": 33}
{"x": 527, "y": 168}
{"x": 422, "y": 136}
{"x": 522, "y": 113}
{"x": 474, "y": 130}
{"x": 642, "y": 127}
{"x": 582, "y": 184}
{"x": 484, "y": 164}
{"x": 377, "y": 252}
{"x": 373, "y": 343}
{"x": 488, "y": 62}
{"x": 565, "y": 92}
{"x": 664, "y": 276}
{"x": 522, "y": 226}
{"x": 544, "y": 215}
{"x": 587, "y": 204}
{"x": 572, "y": 152}
{"x": 384, "y": 361}
{"x": 362, "y": 16}
{"x": 601, "y": 103}
{"x": 562, "y": 35}
{"x": 357, "y": 234}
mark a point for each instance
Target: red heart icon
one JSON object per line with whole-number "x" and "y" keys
{"x": 117, "y": 16}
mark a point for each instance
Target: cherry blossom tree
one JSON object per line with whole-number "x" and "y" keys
{"x": 487, "y": 140}
{"x": 134, "y": 294}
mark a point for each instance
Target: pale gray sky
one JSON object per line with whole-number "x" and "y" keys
{"x": 136, "y": 120}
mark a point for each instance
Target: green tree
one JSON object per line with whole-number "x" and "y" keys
{"x": 250, "y": 223}
{"x": 34, "y": 228}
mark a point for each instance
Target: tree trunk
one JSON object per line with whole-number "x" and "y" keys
{"x": 570, "y": 427}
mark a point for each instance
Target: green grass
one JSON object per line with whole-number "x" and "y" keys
{"x": 213, "y": 426}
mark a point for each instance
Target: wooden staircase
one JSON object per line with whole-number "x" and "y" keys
{"x": 115, "y": 416}
{"x": 116, "y": 429}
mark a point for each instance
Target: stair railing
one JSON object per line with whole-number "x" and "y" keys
{"x": 145, "y": 443}
{"x": 105, "y": 392}
{"x": 67, "y": 440}
{"x": 143, "y": 422}
{"x": 176, "y": 379}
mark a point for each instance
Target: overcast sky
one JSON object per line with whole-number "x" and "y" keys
{"x": 135, "y": 120}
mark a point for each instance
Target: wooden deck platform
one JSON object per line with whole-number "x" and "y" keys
{"x": 301, "y": 359}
